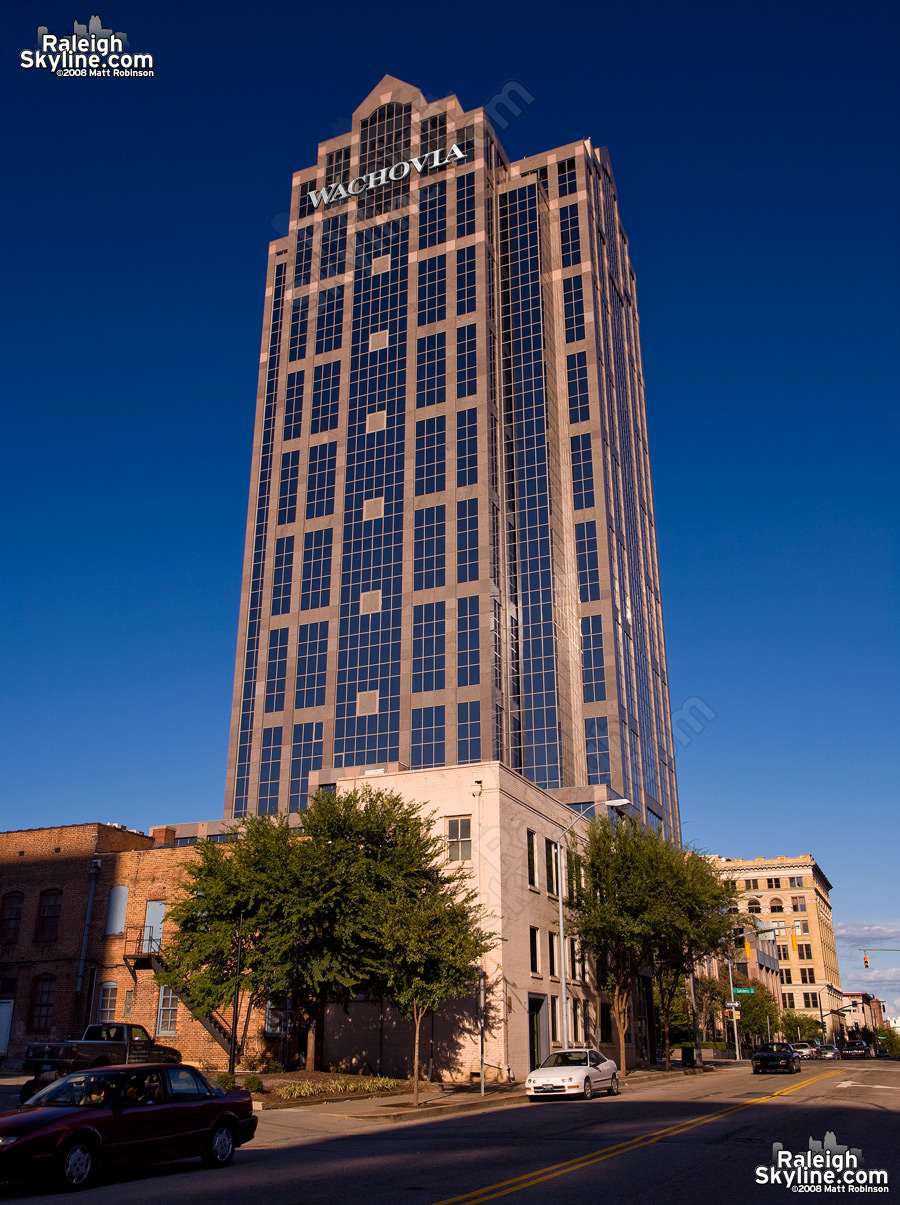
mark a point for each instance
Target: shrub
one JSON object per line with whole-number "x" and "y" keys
{"x": 273, "y": 1067}
{"x": 334, "y": 1085}
{"x": 253, "y": 1083}
{"x": 225, "y": 1079}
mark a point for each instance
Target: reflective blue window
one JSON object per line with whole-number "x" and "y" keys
{"x": 466, "y": 447}
{"x": 303, "y": 262}
{"x": 468, "y": 732}
{"x": 320, "y": 480}
{"x": 431, "y": 369}
{"x": 566, "y": 178}
{"x": 282, "y": 575}
{"x": 429, "y": 548}
{"x": 334, "y": 246}
{"x": 276, "y": 669}
{"x": 433, "y": 214}
{"x": 465, "y": 280}
{"x": 299, "y": 327}
{"x": 428, "y": 647}
{"x": 596, "y": 738}
{"x": 315, "y": 583}
{"x": 432, "y": 279}
{"x": 312, "y": 657}
{"x": 467, "y": 540}
{"x": 287, "y": 487}
{"x": 269, "y": 771}
{"x": 592, "y": 673}
{"x": 466, "y": 369}
{"x": 431, "y": 455}
{"x": 573, "y": 306}
{"x": 467, "y": 642}
{"x": 293, "y": 405}
{"x": 582, "y": 471}
{"x": 569, "y": 237}
{"x": 588, "y": 557}
{"x": 306, "y": 755}
{"x": 329, "y": 319}
{"x": 323, "y": 415}
{"x": 427, "y": 748}
{"x": 576, "y": 371}
{"x": 465, "y": 204}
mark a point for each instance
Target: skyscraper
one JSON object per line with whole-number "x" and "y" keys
{"x": 451, "y": 549}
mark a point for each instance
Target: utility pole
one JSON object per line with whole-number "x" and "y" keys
{"x": 698, "y": 1043}
{"x": 482, "y": 1004}
{"x": 737, "y": 1049}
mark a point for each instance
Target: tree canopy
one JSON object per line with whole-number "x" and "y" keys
{"x": 317, "y": 906}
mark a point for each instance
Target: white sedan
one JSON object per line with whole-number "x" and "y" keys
{"x": 573, "y": 1073}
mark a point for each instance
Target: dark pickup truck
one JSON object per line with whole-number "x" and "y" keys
{"x": 100, "y": 1046}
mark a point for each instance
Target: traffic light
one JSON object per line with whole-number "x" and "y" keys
{"x": 866, "y": 961}
{"x": 793, "y": 940}
{"x": 747, "y": 950}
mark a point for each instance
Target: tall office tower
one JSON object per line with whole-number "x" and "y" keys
{"x": 451, "y": 551}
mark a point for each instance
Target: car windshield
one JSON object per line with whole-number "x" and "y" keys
{"x": 88, "y": 1089}
{"x": 567, "y": 1058}
{"x": 779, "y": 1047}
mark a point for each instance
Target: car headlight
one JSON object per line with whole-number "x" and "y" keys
{"x": 8, "y": 1139}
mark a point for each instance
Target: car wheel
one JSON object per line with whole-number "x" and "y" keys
{"x": 77, "y": 1165}
{"x": 219, "y": 1146}
{"x": 756, "y": 1070}
{"x": 588, "y": 1089}
{"x": 613, "y": 1089}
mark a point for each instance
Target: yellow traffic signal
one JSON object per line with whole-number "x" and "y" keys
{"x": 747, "y": 950}
{"x": 866, "y": 961}
{"x": 793, "y": 941}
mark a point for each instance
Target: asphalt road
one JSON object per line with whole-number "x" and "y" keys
{"x": 675, "y": 1140}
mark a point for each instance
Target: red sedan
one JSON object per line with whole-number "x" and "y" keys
{"x": 142, "y": 1113}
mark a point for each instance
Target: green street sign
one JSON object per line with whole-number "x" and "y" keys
{"x": 745, "y": 991}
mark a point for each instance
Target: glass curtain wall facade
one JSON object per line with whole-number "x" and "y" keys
{"x": 451, "y": 552}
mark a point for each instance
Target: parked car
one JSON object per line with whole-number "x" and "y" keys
{"x": 573, "y": 1073}
{"x": 776, "y": 1056}
{"x": 99, "y": 1046}
{"x": 881, "y": 1053}
{"x": 806, "y": 1050}
{"x": 144, "y": 1113}
{"x": 829, "y": 1052}
{"x": 857, "y": 1050}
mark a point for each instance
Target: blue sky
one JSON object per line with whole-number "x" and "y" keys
{"x": 755, "y": 153}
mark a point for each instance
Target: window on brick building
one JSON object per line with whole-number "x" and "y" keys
{"x": 49, "y": 910}
{"x": 43, "y": 997}
{"x": 106, "y": 1002}
{"x": 754, "y": 906}
{"x": 168, "y": 1011}
{"x": 775, "y": 905}
{"x": 805, "y": 952}
{"x": 534, "y": 938}
{"x": 787, "y": 999}
{"x": 115, "y": 912}
{"x": 798, "y": 903}
{"x": 11, "y": 917}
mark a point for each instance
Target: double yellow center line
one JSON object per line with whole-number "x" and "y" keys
{"x": 505, "y": 1187}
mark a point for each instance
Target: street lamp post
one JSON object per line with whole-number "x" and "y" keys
{"x": 563, "y": 999}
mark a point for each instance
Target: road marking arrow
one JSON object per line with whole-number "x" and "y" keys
{"x": 849, "y": 1083}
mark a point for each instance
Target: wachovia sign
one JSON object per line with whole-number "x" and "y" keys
{"x": 399, "y": 171}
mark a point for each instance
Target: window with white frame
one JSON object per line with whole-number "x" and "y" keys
{"x": 168, "y": 1011}
{"x": 106, "y": 1002}
{"x": 459, "y": 839}
{"x": 554, "y": 1018}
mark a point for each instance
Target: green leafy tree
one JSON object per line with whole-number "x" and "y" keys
{"x": 888, "y": 1039}
{"x": 308, "y": 901}
{"x": 798, "y": 1027}
{"x": 694, "y": 921}
{"x": 711, "y": 994}
{"x": 431, "y": 942}
{"x": 617, "y": 908}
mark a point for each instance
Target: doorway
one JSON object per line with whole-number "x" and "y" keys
{"x": 153, "y": 925}
{"x": 538, "y": 1031}
{"x": 6, "y": 1012}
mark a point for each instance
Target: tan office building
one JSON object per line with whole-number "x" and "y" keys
{"x": 788, "y": 898}
{"x": 451, "y": 550}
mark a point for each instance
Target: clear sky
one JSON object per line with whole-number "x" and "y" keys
{"x": 755, "y": 153}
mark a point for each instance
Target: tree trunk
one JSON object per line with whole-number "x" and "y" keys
{"x": 666, "y": 1040}
{"x": 311, "y": 1042}
{"x": 418, "y": 1020}
{"x": 620, "y": 1008}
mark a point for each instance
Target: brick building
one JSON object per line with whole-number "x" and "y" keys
{"x": 81, "y": 914}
